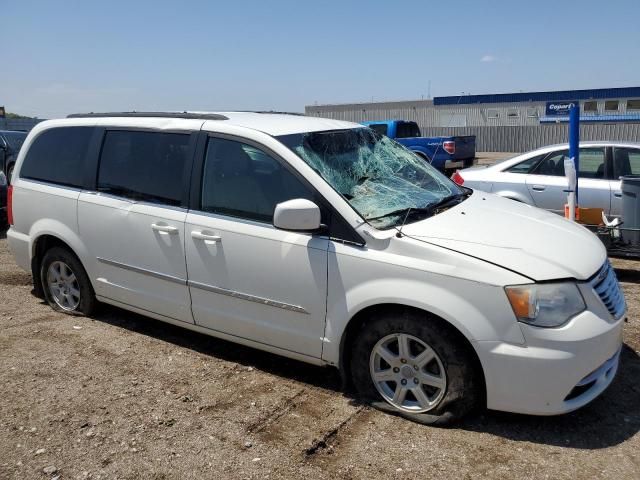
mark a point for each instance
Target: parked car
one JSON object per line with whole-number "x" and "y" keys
{"x": 444, "y": 153}
{"x": 322, "y": 241}
{"x": 537, "y": 177}
{"x": 10, "y": 143}
{"x": 3, "y": 200}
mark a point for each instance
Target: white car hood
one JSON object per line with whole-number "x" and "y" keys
{"x": 527, "y": 240}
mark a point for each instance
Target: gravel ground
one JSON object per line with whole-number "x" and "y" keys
{"x": 123, "y": 396}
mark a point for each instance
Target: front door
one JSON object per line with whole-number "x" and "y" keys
{"x": 134, "y": 224}
{"x": 547, "y": 184}
{"x": 626, "y": 161}
{"x": 247, "y": 278}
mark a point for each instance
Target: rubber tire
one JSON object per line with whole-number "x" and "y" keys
{"x": 464, "y": 383}
{"x": 88, "y": 300}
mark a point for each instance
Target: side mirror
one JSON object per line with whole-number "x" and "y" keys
{"x": 297, "y": 215}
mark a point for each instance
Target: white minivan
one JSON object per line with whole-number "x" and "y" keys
{"x": 322, "y": 241}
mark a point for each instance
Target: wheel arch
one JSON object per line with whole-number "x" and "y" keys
{"x": 358, "y": 320}
{"x": 43, "y": 242}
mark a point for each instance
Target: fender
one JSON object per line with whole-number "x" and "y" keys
{"x": 423, "y": 151}
{"x": 59, "y": 230}
{"x": 441, "y": 297}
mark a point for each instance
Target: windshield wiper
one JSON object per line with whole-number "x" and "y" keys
{"x": 429, "y": 209}
{"x": 448, "y": 201}
{"x": 402, "y": 211}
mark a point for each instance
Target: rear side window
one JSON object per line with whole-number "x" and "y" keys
{"x": 57, "y": 156}
{"x": 407, "y": 130}
{"x": 144, "y": 166}
{"x": 380, "y": 128}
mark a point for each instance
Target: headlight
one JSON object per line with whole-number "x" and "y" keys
{"x": 3, "y": 179}
{"x": 546, "y": 304}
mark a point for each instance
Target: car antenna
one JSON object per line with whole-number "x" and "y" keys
{"x": 399, "y": 230}
{"x": 406, "y": 215}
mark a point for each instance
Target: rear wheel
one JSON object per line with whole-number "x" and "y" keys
{"x": 414, "y": 365}
{"x": 65, "y": 283}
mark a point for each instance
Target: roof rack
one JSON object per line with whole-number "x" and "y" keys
{"x": 187, "y": 115}
{"x": 277, "y": 113}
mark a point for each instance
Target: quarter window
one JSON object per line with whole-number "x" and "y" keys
{"x": 57, "y": 156}
{"x": 243, "y": 181}
{"x": 144, "y": 166}
{"x": 525, "y": 166}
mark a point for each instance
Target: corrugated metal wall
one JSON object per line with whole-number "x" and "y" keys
{"x": 521, "y": 139}
{"x": 525, "y": 133}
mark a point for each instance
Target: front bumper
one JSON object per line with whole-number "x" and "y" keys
{"x": 558, "y": 370}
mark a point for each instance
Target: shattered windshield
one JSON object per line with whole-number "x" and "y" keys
{"x": 380, "y": 178}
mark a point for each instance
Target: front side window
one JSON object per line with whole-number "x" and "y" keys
{"x": 591, "y": 163}
{"x": 58, "y": 156}
{"x": 243, "y": 181}
{"x": 379, "y": 178}
{"x": 144, "y": 166}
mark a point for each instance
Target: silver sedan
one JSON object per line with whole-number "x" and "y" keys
{"x": 537, "y": 177}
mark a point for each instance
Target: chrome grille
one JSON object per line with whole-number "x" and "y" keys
{"x": 605, "y": 284}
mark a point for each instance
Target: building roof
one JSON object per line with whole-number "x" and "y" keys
{"x": 553, "y": 96}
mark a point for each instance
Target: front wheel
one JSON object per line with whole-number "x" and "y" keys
{"x": 414, "y": 365}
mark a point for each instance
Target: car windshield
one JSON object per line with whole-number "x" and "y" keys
{"x": 14, "y": 139}
{"x": 380, "y": 178}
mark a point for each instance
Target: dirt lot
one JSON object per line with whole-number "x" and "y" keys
{"x": 124, "y": 396}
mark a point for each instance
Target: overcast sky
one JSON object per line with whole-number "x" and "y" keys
{"x": 59, "y": 57}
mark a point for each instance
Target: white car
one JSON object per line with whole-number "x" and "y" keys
{"x": 537, "y": 177}
{"x": 322, "y": 241}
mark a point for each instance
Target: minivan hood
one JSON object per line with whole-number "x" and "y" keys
{"x": 524, "y": 239}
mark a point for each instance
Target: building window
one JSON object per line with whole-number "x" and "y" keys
{"x": 590, "y": 107}
{"x": 513, "y": 113}
{"x": 611, "y": 105}
{"x": 493, "y": 113}
{"x": 532, "y": 112}
{"x": 633, "y": 104}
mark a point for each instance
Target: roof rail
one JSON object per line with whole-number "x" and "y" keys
{"x": 187, "y": 115}
{"x": 277, "y": 113}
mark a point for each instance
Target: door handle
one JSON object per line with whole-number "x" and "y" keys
{"x": 164, "y": 228}
{"x": 538, "y": 188}
{"x": 617, "y": 194}
{"x": 205, "y": 236}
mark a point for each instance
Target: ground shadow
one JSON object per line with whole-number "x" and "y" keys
{"x": 628, "y": 275}
{"x": 609, "y": 420}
